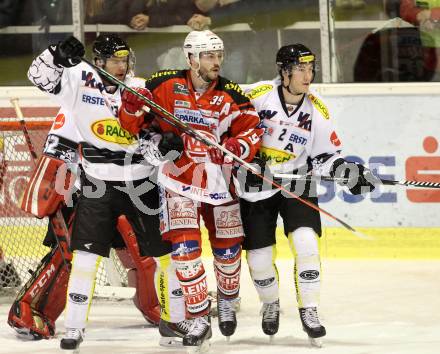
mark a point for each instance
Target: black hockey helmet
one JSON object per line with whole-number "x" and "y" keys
{"x": 294, "y": 54}
{"x": 108, "y": 45}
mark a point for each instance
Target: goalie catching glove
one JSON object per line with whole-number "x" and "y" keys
{"x": 359, "y": 178}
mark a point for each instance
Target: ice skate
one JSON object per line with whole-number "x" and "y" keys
{"x": 172, "y": 333}
{"x": 197, "y": 339}
{"x": 71, "y": 340}
{"x": 271, "y": 318}
{"x": 312, "y": 326}
{"x": 227, "y": 320}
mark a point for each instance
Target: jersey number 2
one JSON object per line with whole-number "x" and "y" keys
{"x": 283, "y": 132}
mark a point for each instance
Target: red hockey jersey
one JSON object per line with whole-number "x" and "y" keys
{"x": 220, "y": 112}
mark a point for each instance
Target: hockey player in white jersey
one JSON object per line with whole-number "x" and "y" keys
{"x": 113, "y": 173}
{"x": 299, "y": 138}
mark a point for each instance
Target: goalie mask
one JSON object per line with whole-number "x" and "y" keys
{"x": 107, "y": 46}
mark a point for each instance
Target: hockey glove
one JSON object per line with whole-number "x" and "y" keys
{"x": 171, "y": 146}
{"x": 132, "y": 103}
{"x": 156, "y": 148}
{"x": 252, "y": 180}
{"x": 67, "y": 53}
{"x": 219, "y": 158}
{"x": 360, "y": 179}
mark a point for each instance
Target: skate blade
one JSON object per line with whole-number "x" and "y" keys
{"x": 271, "y": 339}
{"x": 171, "y": 342}
{"x": 203, "y": 348}
{"x": 315, "y": 342}
{"x": 228, "y": 339}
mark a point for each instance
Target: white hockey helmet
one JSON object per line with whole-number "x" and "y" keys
{"x": 197, "y": 42}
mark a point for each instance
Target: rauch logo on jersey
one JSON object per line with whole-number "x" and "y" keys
{"x": 259, "y": 91}
{"x": 274, "y": 156}
{"x": 319, "y": 106}
{"x": 110, "y": 130}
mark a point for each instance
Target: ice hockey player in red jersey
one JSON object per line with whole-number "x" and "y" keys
{"x": 197, "y": 183}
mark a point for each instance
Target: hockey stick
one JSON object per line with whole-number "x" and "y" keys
{"x": 175, "y": 122}
{"x": 56, "y": 221}
{"x": 345, "y": 180}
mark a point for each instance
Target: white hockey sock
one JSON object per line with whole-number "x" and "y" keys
{"x": 80, "y": 289}
{"x": 169, "y": 293}
{"x": 303, "y": 243}
{"x": 264, "y": 272}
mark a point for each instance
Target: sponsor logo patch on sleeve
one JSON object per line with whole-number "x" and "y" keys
{"x": 319, "y": 106}
{"x": 259, "y": 91}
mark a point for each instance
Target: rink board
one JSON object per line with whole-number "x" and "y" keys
{"x": 382, "y": 243}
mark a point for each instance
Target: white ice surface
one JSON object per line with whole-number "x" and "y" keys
{"x": 368, "y": 307}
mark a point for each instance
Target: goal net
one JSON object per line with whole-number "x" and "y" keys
{"x": 21, "y": 234}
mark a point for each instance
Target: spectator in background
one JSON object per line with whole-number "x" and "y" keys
{"x": 43, "y": 13}
{"x": 426, "y": 15}
{"x": 162, "y": 13}
{"x": 392, "y": 53}
{"x": 9, "y": 12}
{"x": 111, "y": 11}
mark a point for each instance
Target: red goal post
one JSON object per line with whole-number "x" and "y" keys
{"x": 21, "y": 234}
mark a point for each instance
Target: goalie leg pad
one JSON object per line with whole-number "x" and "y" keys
{"x": 42, "y": 299}
{"x": 141, "y": 274}
{"x": 50, "y": 178}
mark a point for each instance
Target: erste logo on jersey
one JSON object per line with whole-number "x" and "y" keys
{"x": 59, "y": 121}
{"x": 93, "y": 100}
{"x": 334, "y": 139}
{"x": 110, "y": 130}
{"x": 259, "y": 91}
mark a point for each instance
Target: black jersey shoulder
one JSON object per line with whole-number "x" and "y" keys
{"x": 161, "y": 76}
{"x": 233, "y": 89}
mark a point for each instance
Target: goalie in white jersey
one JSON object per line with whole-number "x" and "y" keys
{"x": 114, "y": 179}
{"x": 299, "y": 138}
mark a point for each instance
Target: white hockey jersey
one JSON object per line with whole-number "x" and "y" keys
{"x": 298, "y": 137}
{"x": 89, "y": 117}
